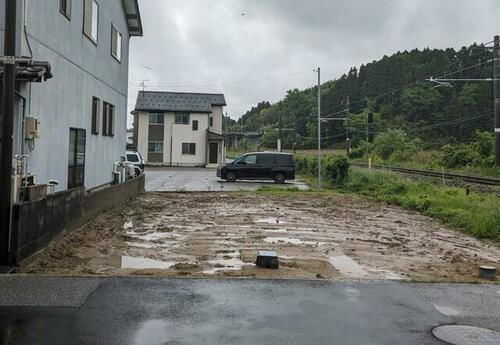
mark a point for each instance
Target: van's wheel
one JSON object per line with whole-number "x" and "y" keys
{"x": 231, "y": 176}
{"x": 279, "y": 178}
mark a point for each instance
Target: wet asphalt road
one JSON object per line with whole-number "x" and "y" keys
{"x": 201, "y": 311}
{"x": 201, "y": 180}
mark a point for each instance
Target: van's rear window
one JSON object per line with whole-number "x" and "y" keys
{"x": 284, "y": 159}
{"x": 266, "y": 159}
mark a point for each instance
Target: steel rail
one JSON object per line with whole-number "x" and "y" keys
{"x": 473, "y": 179}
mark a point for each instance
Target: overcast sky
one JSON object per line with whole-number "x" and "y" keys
{"x": 255, "y": 50}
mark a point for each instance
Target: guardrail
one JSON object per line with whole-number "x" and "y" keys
{"x": 472, "y": 179}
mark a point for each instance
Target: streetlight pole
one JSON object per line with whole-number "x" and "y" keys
{"x": 319, "y": 128}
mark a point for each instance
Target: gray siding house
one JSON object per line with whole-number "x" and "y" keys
{"x": 179, "y": 128}
{"x": 81, "y": 112}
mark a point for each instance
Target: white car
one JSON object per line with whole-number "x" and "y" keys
{"x": 135, "y": 158}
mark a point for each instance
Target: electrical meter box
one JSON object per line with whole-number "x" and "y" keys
{"x": 31, "y": 128}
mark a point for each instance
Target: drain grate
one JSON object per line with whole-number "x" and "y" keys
{"x": 466, "y": 335}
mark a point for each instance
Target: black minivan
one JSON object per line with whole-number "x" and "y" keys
{"x": 259, "y": 166}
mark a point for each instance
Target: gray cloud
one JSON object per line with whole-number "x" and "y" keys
{"x": 208, "y": 45}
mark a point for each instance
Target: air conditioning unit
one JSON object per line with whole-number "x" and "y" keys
{"x": 31, "y": 128}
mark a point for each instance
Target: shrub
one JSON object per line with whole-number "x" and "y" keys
{"x": 477, "y": 153}
{"x": 335, "y": 169}
{"x": 363, "y": 149}
{"x": 395, "y": 145}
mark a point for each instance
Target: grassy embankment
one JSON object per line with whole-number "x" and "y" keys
{"x": 477, "y": 215}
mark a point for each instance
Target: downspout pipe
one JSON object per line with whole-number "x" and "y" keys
{"x": 9, "y": 89}
{"x": 23, "y": 99}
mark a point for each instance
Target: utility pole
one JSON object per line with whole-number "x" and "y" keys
{"x": 226, "y": 138}
{"x": 9, "y": 88}
{"x": 319, "y": 128}
{"x": 225, "y": 131}
{"x": 279, "y": 131}
{"x": 294, "y": 131}
{"x": 347, "y": 144}
{"x": 143, "y": 84}
{"x": 496, "y": 88}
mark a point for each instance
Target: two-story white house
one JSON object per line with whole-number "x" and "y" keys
{"x": 80, "y": 114}
{"x": 179, "y": 128}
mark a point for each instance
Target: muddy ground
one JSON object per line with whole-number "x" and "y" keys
{"x": 219, "y": 234}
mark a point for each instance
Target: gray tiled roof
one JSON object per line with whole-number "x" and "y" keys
{"x": 178, "y": 101}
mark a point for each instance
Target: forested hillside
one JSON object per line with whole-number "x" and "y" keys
{"x": 394, "y": 90}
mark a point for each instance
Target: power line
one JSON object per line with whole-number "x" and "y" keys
{"x": 221, "y": 84}
{"x": 234, "y": 83}
{"x": 464, "y": 69}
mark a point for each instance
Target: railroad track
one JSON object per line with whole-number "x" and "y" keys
{"x": 472, "y": 179}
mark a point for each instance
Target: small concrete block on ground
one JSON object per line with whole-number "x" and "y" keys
{"x": 267, "y": 259}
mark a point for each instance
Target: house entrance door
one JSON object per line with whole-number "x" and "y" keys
{"x": 213, "y": 153}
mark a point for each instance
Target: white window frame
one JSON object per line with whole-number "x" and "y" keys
{"x": 114, "y": 32}
{"x": 93, "y": 35}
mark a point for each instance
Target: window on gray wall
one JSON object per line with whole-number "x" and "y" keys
{"x": 211, "y": 121}
{"x": 91, "y": 19}
{"x": 195, "y": 125}
{"x": 96, "y": 108}
{"x": 116, "y": 43}
{"x": 65, "y": 8}
{"x": 108, "y": 119}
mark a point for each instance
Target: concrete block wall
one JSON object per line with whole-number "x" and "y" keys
{"x": 36, "y": 224}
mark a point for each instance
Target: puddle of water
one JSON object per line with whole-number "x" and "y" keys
{"x": 270, "y": 220}
{"x": 289, "y": 240}
{"x": 230, "y": 261}
{"x": 276, "y": 230}
{"x": 131, "y": 262}
{"x": 135, "y": 262}
{"x": 154, "y": 236}
{"x": 128, "y": 225}
{"x": 446, "y": 310}
{"x": 348, "y": 266}
{"x": 152, "y": 332}
{"x": 352, "y": 294}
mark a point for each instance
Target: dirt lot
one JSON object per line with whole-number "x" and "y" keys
{"x": 219, "y": 234}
